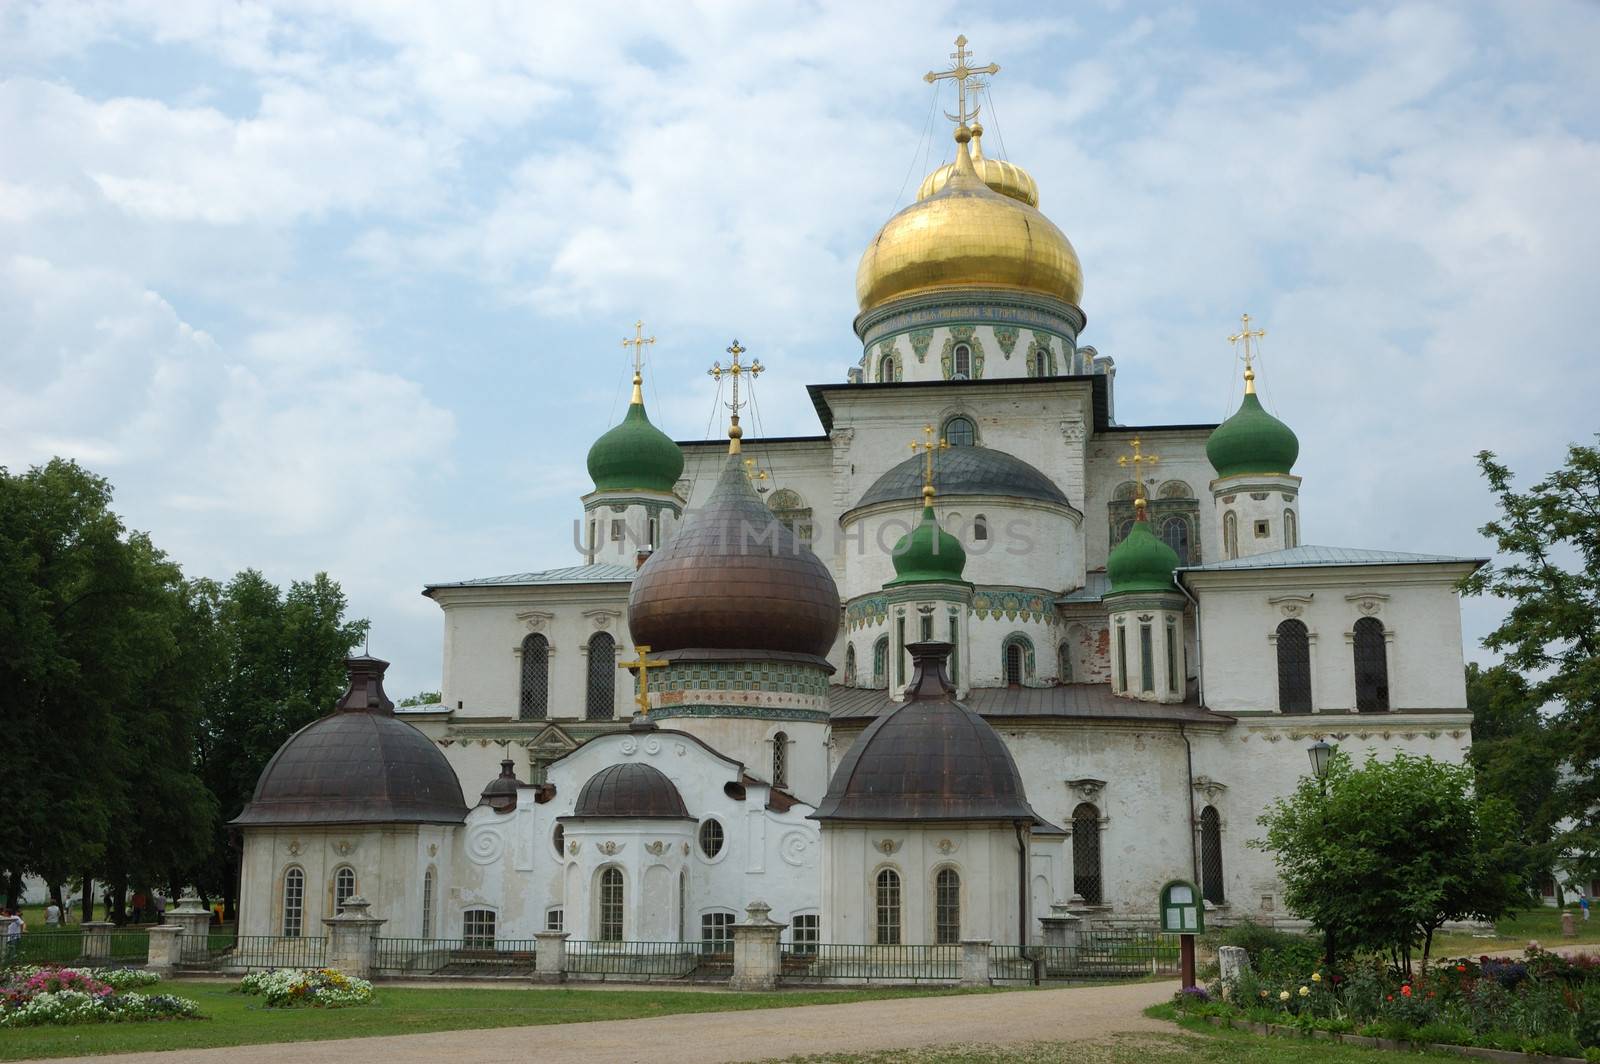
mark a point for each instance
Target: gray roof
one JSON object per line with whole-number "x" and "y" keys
{"x": 1084, "y": 701}
{"x": 1095, "y": 586}
{"x": 599, "y": 573}
{"x": 966, "y": 471}
{"x": 1312, "y": 557}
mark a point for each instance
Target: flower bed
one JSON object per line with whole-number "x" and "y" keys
{"x": 1543, "y": 1003}
{"x": 323, "y": 988}
{"x": 32, "y": 996}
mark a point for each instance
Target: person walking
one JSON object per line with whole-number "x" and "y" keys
{"x": 52, "y": 915}
{"x": 1583, "y": 903}
{"x": 11, "y": 925}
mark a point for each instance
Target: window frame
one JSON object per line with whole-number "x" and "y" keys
{"x": 780, "y": 759}
{"x": 555, "y": 918}
{"x": 1292, "y": 641}
{"x": 957, "y": 373}
{"x": 611, "y": 908}
{"x": 595, "y": 700}
{"x": 719, "y": 922}
{"x": 971, "y": 431}
{"x": 480, "y": 927}
{"x": 1213, "y": 883}
{"x": 429, "y": 889}
{"x": 888, "y": 907}
{"x": 947, "y": 901}
{"x": 1369, "y": 646}
{"x": 711, "y": 827}
{"x": 292, "y": 910}
{"x": 342, "y": 875}
{"x": 1088, "y": 854}
{"x": 805, "y": 938}
{"x": 533, "y": 698}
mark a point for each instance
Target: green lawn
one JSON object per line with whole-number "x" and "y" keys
{"x": 235, "y": 1019}
{"x": 1541, "y": 925}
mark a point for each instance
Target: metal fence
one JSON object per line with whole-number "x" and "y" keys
{"x": 270, "y": 951}
{"x": 834, "y": 963}
{"x": 67, "y": 947}
{"x": 452, "y": 956}
{"x": 1101, "y": 953}
{"x": 669, "y": 960}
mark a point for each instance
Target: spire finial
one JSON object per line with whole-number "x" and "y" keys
{"x": 1245, "y": 335}
{"x": 961, "y": 73}
{"x": 644, "y": 663}
{"x": 638, "y": 343}
{"x": 926, "y": 447}
{"x": 1137, "y": 462}
{"x": 735, "y": 370}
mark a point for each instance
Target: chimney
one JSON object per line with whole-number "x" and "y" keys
{"x": 365, "y": 694}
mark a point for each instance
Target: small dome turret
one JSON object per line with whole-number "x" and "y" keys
{"x": 634, "y": 455}
{"x": 631, "y": 791}
{"x": 1252, "y": 440}
{"x": 501, "y": 792}
{"x": 927, "y": 554}
{"x": 1141, "y": 562}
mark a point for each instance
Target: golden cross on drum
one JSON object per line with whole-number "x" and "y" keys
{"x": 1246, "y": 335}
{"x": 928, "y": 447}
{"x": 644, "y": 663}
{"x": 961, "y": 74}
{"x": 638, "y": 343}
{"x": 1137, "y": 463}
{"x": 735, "y": 370}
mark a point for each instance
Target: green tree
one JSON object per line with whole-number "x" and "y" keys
{"x": 421, "y": 698}
{"x": 1550, "y": 538}
{"x": 1514, "y": 757}
{"x": 1393, "y": 851}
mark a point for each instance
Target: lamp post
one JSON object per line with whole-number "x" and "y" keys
{"x": 1321, "y": 754}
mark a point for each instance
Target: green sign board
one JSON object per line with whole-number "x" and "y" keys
{"x": 1182, "y": 908}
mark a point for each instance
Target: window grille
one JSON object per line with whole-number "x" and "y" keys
{"x": 805, "y": 931}
{"x": 880, "y": 662}
{"x": 1122, "y": 658}
{"x": 558, "y": 839}
{"x": 980, "y": 528}
{"x": 555, "y": 920}
{"x": 344, "y": 885}
{"x": 963, "y": 362}
{"x": 1086, "y": 853}
{"x": 1291, "y": 529}
{"x": 900, "y": 651}
{"x": 1173, "y": 677}
{"x": 947, "y": 907}
{"x": 477, "y": 929}
{"x": 1211, "y": 855}
{"x": 427, "y": 903}
{"x": 886, "y": 368}
{"x": 850, "y": 665}
{"x": 716, "y": 932}
{"x": 1064, "y": 665}
{"x": 960, "y": 432}
{"x": 925, "y": 626}
{"x": 1372, "y": 666}
{"x": 1294, "y": 668}
{"x": 616, "y": 530}
{"x": 1147, "y": 664}
{"x": 294, "y": 902}
{"x": 655, "y": 533}
{"x": 1230, "y": 534}
{"x": 780, "y": 760}
{"x": 888, "y": 907}
{"x": 611, "y": 905}
{"x": 1038, "y": 364}
{"x": 711, "y": 838}
{"x": 1014, "y": 665}
{"x": 1175, "y": 534}
{"x": 955, "y": 651}
{"x": 535, "y": 703}
{"x": 602, "y": 677}
{"x": 1263, "y": 529}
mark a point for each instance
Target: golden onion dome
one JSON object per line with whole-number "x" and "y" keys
{"x": 1008, "y": 179}
{"x": 967, "y": 235}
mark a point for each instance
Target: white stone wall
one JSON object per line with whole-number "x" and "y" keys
{"x": 617, "y": 528}
{"x": 1265, "y": 511}
{"x": 1182, "y": 454}
{"x": 1168, "y": 675}
{"x": 751, "y": 741}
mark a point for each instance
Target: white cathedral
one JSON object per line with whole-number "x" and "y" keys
{"x": 1043, "y": 665}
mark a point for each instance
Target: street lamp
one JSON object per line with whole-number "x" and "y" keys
{"x": 1321, "y": 753}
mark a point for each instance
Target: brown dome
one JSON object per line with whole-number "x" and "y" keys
{"x": 733, "y": 579}
{"x": 631, "y": 791}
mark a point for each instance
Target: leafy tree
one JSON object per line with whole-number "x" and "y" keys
{"x": 1514, "y": 757}
{"x": 421, "y": 698}
{"x": 1550, "y": 535}
{"x": 1393, "y": 851}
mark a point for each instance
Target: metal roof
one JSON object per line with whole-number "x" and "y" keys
{"x": 965, "y": 471}
{"x": 1308, "y": 556}
{"x": 599, "y": 573}
{"x": 1080, "y": 701}
{"x": 1095, "y": 586}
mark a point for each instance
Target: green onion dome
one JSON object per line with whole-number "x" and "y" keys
{"x": 635, "y": 455}
{"x": 1141, "y": 562}
{"x": 1252, "y": 440}
{"x": 927, "y": 554}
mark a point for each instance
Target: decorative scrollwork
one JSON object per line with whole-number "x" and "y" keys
{"x": 795, "y": 848}
{"x": 485, "y": 846}
{"x": 887, "y": 846}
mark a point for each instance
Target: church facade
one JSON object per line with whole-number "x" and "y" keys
{"x": 1036, "y": 662}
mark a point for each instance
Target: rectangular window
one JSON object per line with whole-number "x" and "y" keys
{"x": 716, "y": 932}
{"x": 1147, "y": 665}
{"x": 1122, "y": 659}
{"x": 955, "y": 655}
{"x": 477, "y": 929}
{"x": 1172, "y": 658}
{"x": 1263, "y": 529}
{"x": 927, "y": 625}
{"x": 554, "y": 919}
{"x": 888, "y": 909}
{"x": 427, "y": 904}
{"x": 900, "y": 651}
{"x": 805, "y": 931}
{"x": 616, "y": 530}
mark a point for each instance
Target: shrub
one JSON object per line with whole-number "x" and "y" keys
{"x": 323, "y": 988}
{"x": 1257, "y": 940}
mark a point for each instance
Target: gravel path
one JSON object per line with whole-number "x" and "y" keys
{"x": 1075, "y": 1014}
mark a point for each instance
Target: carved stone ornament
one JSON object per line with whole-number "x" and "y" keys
{"x": 535, "y": 620}
{"x": 1291, "y": 609}
{"x": 1072, "y": 431}
{"x": 344, "y": 846}
{"x": 1368, "y": 606}
{"x": 948, "y": 846}
{"x": 295, "y": 847}
{"x": 686, "y": 849}
{"x": 573, "y": 847}
{"x": 887, "y": 846}
{"x": 601, "y": 619}
{"x": 611, "y": 849}
{"x": 1089, "y": 790}
{"x": 1209, "y": 787}
{"x": 433, "y": 849}
{"x": 657, "y": 848}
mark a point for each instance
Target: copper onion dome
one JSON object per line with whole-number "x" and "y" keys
{"x": 732, "y": 579}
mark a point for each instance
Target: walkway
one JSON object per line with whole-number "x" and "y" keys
{"x": 1075, "y": 1014}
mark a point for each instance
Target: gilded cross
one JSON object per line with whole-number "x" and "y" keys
{"x": 754, "y": 475}
{"x": 1137, "y": 463}
{"x": 961, "y": 73}
{"x": 1245, "y": 334}
{"x": 926, "y": 447}
{"x": 638, "y": 343}
{"x": 735, "y": 370}
{"x": 644, "y": 664}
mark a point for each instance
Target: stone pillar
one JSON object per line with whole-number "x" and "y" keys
{"x": 1232, "y": 961}
{"x": 1061, "y": 928}
{"x": 1568, "y": 929}
{"x": 195, "y": 921}
{"x": 757, "y": 957}
{"x": 550, "y": 961}
{"x": 97, "y": 940}
{"x": 974, "y": 962}
{"x": 352, "y": 935}
{"x": 166, "y": 947}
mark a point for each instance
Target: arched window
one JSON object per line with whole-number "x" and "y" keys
{"x": 294, "y": 902}
{"x": 1291, "y": 529}
{"x": 344, "y": 885}
{"x": 1086, "y": 853}
{"x": 850, "y": 665}
{"x": 1064, "y": 663}
{"x": 880, "y": 662}
{"x": 1211, "y": 855}
{"x": 1230, "y": 534}
{"x": 1372, "y": 666}
{"x": 1122, "y": 656}
{"x": 780, "y": 760}
{"x": 1175, "y": 534}
{"x": 1013, "y": 665}
{"x": 960, "y": 432}
{"x": 888, "y": 907}
{"x": 611, "y": 905}
{"x": 478, "y": 929}
{"x": 947, "y": 907}
{"x": 886, "y": 368}
{"x": 962, "y": 362}
{"x": 602, "y": 698}
{"x": 792, "y": 512}
{"x": 427, "y": 902}
{"x": 1038, "y": 364}
{"x": 980, "y": 528}
{"x": 535, "y": 678}
{"x": 1294, "y": 668}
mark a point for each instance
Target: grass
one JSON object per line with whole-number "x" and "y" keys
{"x": 1541, "y": 925}
{"x": 235, "y": 1019}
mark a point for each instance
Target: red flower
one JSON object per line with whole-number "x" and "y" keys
{"x": 1461, "y": 967}
{"x": 1389, "y": 998}
{"x": 1406, "y": 990}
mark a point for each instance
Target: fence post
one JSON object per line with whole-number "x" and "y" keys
{"x": 1061, "y": 928}
{"x": 1232, "y": 961}
{"x": 550, "y": 959}
{"x": 195, "y": 920}
{"x": 166, "y": 945}
{"x": 974, "y": 962}
{"x": 97, "y": 940}
{"x": 757, "y": 958}
{"x": 352, "y": 938}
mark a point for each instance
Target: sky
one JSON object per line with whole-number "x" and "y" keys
{"x": 341, "y": 286}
